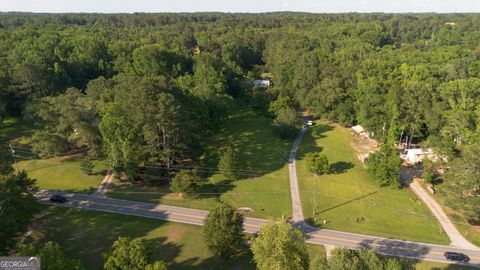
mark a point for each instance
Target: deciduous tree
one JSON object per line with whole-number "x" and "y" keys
{"x": 223, "y": 231}
{"x": 280, "y": 246}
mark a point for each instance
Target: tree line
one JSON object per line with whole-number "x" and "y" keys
{"x": 148, "y": 87}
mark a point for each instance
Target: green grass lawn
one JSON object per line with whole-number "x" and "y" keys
{"x": 87, "y": 235}
{"x": 427, "y": 265}
{"x": 264, "y": 185}
{"x": 14, "y": 130}
{"x": 348, "y": 201}
{"x": 471, "y": 233}
{"x": 59, "y": 173}
{"x": 63, "y": 173}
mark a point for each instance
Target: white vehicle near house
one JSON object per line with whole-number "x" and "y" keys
{"x": 309, "y": 123}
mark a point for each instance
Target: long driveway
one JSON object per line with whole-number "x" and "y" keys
{"x": 455, "y": 236}
{"x": 297, "y": 213}
{"x": 251, "y": 225}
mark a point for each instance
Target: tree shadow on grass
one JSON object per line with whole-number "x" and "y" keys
{"x": 346, "y": 202}
{"x": 89, "y": 235}
{"x": 341, "y": 167}
{"x": 318, "y": 131}
{"x": 395, "y": 247}
{"x": 209, "y": 190}
{"x": 243, "y": 260}
{"x": 258, "y": 149}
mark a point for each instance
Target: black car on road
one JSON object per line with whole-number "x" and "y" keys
{"x": 58, "y": 198}
{"x": 456, "y": 256}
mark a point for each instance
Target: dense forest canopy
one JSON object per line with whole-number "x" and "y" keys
{"x": 150, "y": 87}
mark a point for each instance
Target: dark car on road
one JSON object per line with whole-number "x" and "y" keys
{"x": 58, "y": 198}
{"x": 456, "y": 256}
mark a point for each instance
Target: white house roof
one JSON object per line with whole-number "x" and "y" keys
{"x": 358, "y": 129}
{"x": 419, "y": 151}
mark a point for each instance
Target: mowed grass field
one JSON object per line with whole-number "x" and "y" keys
{"x": 348, "y": 201}
{"x": 59, "y": 173}
{"x": 64, "y": 173}
{"x": 263, "y": 186}
{"x": 88, "y": 236}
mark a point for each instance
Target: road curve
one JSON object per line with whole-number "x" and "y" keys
{"x": 315, "y": 236}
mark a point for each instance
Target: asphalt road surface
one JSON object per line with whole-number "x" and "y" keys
{"x": 251, "y": 225}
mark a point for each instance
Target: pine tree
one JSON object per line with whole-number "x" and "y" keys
{"x": 228, "y": 164}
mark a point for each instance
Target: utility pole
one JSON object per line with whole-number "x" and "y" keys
{"x": 13, "y": 154}
{"x": 314, "y": 194}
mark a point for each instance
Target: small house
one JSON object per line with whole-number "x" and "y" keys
{"x": 261, "y": 83}
{"x": 416, "y": 155}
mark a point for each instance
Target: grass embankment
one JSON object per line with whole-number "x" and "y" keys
{"x": 471, "y": 233}
{"x": 263, "y": 157}
{"x": 87, "y": 235}
{"x": 59, "y": 173}
{"x": 348, "y": 201}
{"x": 427, "y": 265}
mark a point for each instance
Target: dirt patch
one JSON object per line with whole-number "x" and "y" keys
{"x": 363, "y": 146}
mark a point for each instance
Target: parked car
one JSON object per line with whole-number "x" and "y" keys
{"x": 456, "y": 256}
{"x": 309, "y": 123}
{"x": 58, "y": 198}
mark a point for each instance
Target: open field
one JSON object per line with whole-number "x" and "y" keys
{"x": 87, "y": 235}
{"x": 264, "y": 184}
{"x": 63, "y": 173}
{"x": 348, "y": 201}
{"x": 59, "y": 173}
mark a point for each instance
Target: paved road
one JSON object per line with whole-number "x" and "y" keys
{"x": 297, "y": 213}
{"x": 251, "y": 225}
{"x": 450, "y": 229}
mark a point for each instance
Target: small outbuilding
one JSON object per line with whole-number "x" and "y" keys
{"x": 416, "y": 155}
{"x": 261, "y": 83}
{"x": 358, "y": 129}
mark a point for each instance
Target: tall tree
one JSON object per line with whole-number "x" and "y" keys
{"x": 120, "y": 140}
{"x": 280, "y": 246}
{"x": 342, "y": 258}
{"x": 228, "y": 164}
{"x": 127, "y": 254}
{"x": 17, "y": 196}
{"x": 223, "y": 231}
{"x": 317, "y": 163}
{"x": 384, "y": 166}
{"x": 51, "y": 257}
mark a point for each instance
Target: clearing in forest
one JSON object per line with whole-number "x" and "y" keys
{"x": 348, "y": 201}
{"x": 263, "y": 185}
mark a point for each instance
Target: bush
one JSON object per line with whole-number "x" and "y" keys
{"x": 228, "y": 164}
{"x": 47, "y": 145}
{"x": 87, "y": 166}
{"x": 185, "y": 182}
{"x": 287, "y": 122}
{"x": 317, "y": 163}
